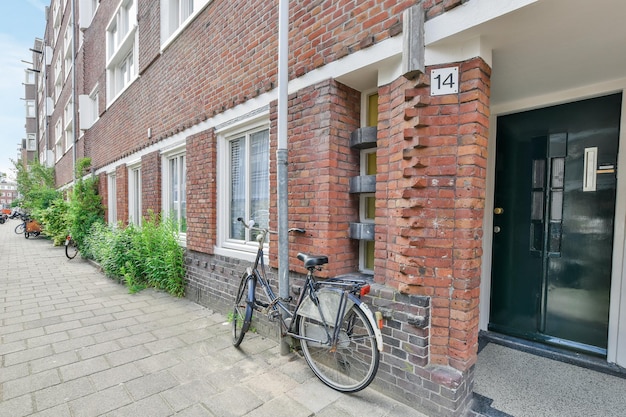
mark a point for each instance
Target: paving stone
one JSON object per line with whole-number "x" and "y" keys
{"x": 153, "y": 406}
{"x": 151, "y": 384}
{"x": 100, "y": 402}
{"x": 62, "y": 393}
{"x": 115, "y": 376}
{"x": 16, "y": 407}
{"x": 84, "y": 368}
{"x": 28, "y": 384}
{"x": 235, "y": 402}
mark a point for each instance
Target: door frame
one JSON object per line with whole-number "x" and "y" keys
{"x": 617, "y": 312}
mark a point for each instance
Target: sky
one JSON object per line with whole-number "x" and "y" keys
{"x": 21, "y": 21}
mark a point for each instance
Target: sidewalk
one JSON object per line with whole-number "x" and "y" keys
{"x": 74, "y": 343}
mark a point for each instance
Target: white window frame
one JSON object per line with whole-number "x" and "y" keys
{"x": 175, "y": 16}
{"x": 245, "y": 250}
{"x": 67, "y": 45}
{"x": 68, "y": 116}
{"x": 31, "y": 142}
{"x": 30, "y": 108}
{"x": 122, "y": 50}
{"x": 59, "y": 151}
{"x": 58, "y": 77}
{"x": 178, "y": 152}
{"x": 112, "y": 199}
{"x": 135, "y": 214}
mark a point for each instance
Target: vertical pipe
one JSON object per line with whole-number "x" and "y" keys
{"x": 281, "y": 156}
{"x": 74, "y": 96}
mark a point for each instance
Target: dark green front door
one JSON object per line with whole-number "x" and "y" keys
{"x": 553, "y": 223}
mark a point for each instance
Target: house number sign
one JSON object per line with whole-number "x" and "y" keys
{"x": 444, "y": 81}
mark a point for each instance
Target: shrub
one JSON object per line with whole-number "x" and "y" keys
{"x": 149, "y": 256}
{"x": 54, "y": 220}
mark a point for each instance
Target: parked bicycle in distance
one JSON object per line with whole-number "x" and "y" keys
{"x": 29, "y": 226}
{"x": 339, "y": 335}
{"x": 71, "y": 250}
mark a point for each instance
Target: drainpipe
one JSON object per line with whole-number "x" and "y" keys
{"x": 281, "y": 157}
{"x": 74, "y": 100}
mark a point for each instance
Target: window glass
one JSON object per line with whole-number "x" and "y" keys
{"x": 177, "y": 199}
{"x": 248, "y": 182}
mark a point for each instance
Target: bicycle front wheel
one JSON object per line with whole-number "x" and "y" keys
{"x": 20, "y": 228}
{"x": 71, "y": 249}
{"x": 242, "y": 311}
{"x": 351, "y": 364}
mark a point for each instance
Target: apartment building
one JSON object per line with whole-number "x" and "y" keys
{"x": 8, "y": 193}
{"x": 461, "y": 154}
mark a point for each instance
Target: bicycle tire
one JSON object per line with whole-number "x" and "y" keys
{"x": 71, "y": 250}
{"x": 353, "y": 364}
{"x": 242, "y": 310}
{"x": 20, "y": 228}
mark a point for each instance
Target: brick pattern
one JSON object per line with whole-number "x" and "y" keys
{"x": 201, "y": 191}
{"x": 121, "y": 189}
{"x": 151, "y": 183}
{"x": 177, "y": 87}
{"x": 321, "y": 163}
{"x": 103, "y": 190}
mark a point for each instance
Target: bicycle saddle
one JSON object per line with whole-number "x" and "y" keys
{"x": 311, "y": 261}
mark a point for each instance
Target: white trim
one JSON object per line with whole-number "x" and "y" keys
{"x": 224, "y": 246}
{"x": 468, "y": 15}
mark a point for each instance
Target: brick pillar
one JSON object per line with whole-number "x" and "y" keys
{"x": 103, "y": 190}
{"x": 321, "y": 163}
{"x": 151, "y": 183}
{"x": 432, "y": 157}
{"x": 201, "y": 191}
{"x": 121, "y": 188}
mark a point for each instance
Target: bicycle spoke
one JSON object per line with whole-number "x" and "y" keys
{"x": 352, "y": 363}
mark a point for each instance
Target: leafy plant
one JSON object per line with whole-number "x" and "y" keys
{"x": 54, "y": 220}
{"x": 36, "y": 186}
{"x": 85, "y": 205}
{"x": 149, "y": 256}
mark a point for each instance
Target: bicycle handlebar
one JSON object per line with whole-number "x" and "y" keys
{"x": 250, "y": 225}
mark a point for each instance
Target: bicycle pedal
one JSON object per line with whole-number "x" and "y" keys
{"x": 273, "y": 315}
{"x": 286, "y": 300}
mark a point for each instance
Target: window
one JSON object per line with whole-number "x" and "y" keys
{"x": 248, "y": 183}
{"x": 367, "y": 201}
{"x": 57, "y": 15}
{"x": 30, "y": 76}
{"x": 121, "y": 49}
{"x": 68, "y": 116}
{"x": 31, "y": 142}
{"x": 30, "y": 108}
{"x": 134, "y": 195}
{"x": 176, "y": 14}
{"x": 58, "y": 78}
{"x": 58, "y": 139}
{"x": 112, "y": 199}
{"x": 175, "y": 202}
{"x": 67, "y": 43}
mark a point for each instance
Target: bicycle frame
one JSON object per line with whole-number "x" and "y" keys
{"x": 309, "y": 292}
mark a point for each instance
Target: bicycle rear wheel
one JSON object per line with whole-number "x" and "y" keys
{"x": 20, "y": 228}
{"x": 353, "y": 363}
{"x": 71, "y": 249}
{"x": 242, "y": 311}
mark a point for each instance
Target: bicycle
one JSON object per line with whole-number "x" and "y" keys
{"x": 21, "y": 228}
{"x": 71, "y": 250}
{"x": 338, "y": 334}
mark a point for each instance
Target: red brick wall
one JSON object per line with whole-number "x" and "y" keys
{"x": 201, "y": 191}
{"x": 321, "y": 163}
{"x": 121, "y": 189}
{"x": 431, "y": 191}
{"x": 103, "y": 190}
{"x": 151, "y": 183}
{"x": 201, "y": 74}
